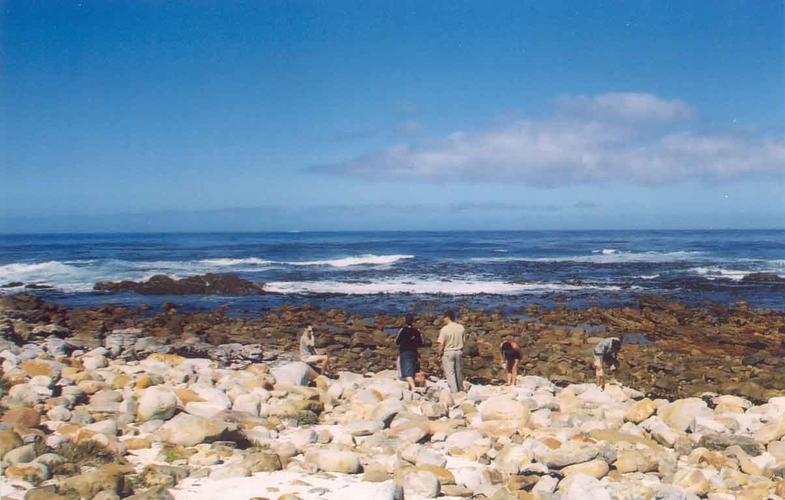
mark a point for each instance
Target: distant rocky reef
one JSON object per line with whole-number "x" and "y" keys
{"x": 207, "y": 284}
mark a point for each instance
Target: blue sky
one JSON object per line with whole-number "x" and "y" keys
{"x": 392, "y": 115}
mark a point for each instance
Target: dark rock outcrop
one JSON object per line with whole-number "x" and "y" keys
{"x": 207, "y": 284}
{"x": 764, "y": 277}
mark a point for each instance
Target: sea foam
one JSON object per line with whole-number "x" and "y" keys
{"x": 426, "y": 287}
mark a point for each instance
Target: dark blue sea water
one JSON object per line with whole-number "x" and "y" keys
{"x": 372, "y": 271}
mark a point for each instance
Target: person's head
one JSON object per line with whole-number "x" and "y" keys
{"x": 449, "y": 316}
{"x": 615, "y": 345}
{"x": 308, "y": 328}
{"x": 409, "y": 319}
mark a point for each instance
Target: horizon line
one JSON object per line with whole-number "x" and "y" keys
{"x": 322, "y": 231}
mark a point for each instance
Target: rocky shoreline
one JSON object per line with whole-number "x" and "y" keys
{"x": 115, "y": 416}
{"x": 670, "y": 350}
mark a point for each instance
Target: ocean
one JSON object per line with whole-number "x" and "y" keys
{"x": 367, "y": 272}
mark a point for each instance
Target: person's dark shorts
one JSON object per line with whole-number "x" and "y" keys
{"x": 610, "y": 360}
{"x": 408, "y": 364}
{"x": 511, "y": 361}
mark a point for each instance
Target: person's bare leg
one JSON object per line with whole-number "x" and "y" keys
{"x": 325, "y": 365}
{"x": 410, "y": 381}
{"x": 514, "y": 374}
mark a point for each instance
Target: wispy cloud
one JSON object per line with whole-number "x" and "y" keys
{"x": 632, "y": 137}
{"x": 629, "y": 106}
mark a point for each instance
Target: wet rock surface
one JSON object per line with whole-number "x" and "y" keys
{"x": 670, "y": 350}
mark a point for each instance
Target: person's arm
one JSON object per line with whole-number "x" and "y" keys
{"x": 312, "y": 343}
{"x": 440, "y": 341}
{"x": 398, "y": 337}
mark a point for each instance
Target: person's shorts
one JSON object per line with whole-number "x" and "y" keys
{"x": 408, "y": 362}
{"x": 511, "y": 362}
{"x": 314, "y": 358}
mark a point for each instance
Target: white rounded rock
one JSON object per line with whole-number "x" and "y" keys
{"x": 503, "y": 408}
{"x": 421, "y": 483}
{"x": 346, "y": 462}
{"x": 297, "y": 373}
{"x": 248, "y": 403}
{"x": 156, "y": 404}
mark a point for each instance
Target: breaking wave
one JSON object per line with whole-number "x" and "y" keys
{"x": 605, "y": 256}
{"x": 426, "y": 287}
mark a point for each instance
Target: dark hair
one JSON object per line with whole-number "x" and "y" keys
{"x": 409, "y": 319}
{"x": 450, "y": 314}
{"x": 506, "y": 347}
{"x": 306, "y": 325}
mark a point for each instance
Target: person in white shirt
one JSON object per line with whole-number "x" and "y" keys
{"x": 451, "y": 339}
{"x": 606, "y": 354}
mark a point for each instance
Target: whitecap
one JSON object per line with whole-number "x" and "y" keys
{"x": 427, "y": 287}
{"x": 605, "y": 258}
{"x": 363, "y": 260}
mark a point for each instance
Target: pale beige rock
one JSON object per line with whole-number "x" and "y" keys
{"x": 636, "y": 461}
{"x": 345, "y": 462}
{"x": 680, "y": 414}
{"x": 640, "y": 411}
{"x": 692, "y": 480}
{"x": 190, "y": 430}
{"x": 569, "y": 454}
{"x": 413, "y": 432}
{"x": 421, "y": 483}
{"x": 502, "y": 408}
{"x": 498, "y": 428}
{"x": 771, "y": 431}
{"x": 156, "y": 404}
{"x": 595, "y": 468}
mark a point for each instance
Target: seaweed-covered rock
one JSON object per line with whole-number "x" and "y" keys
{"x": 207, "y": 284}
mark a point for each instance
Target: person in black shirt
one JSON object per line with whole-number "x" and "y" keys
{"x": 409, "y": 339}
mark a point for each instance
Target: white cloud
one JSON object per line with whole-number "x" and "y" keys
{"x": 627, "y": 106}
{"x": 620, "y": 137}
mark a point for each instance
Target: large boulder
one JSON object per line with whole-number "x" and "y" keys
{"x": 569, "y": 454}
{"x": 21, "y": 416}
{"x": 9, "y": 440}
{"x": 640, "y": 411}
{"x": 420, "y": 483}
{"x": 720, "y": 442}
{"x": 156, "y": 404}
{"x": 771, "y": 431}
{"x": 364, "y": 427}
{"x": 190, "y": 430}
{"x": 596, "y": 468}
{"x": 693, "y": 481}
{"x": 502, "y": 408}
{"x": 295, "y": 373}
{"x": 463, "y": 439}
{"x": 680, "y": 414}
{"x": 105, "y": 478}
{"x": 387, "y": 410}
{"x": 346, "y": 462}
